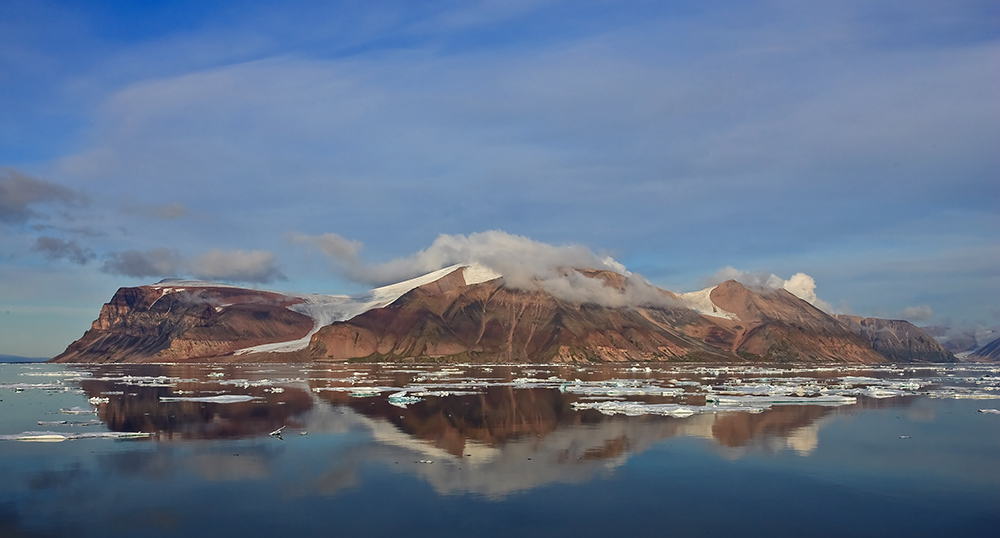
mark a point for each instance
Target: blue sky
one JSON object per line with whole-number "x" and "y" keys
{"x": 856, "y": 142}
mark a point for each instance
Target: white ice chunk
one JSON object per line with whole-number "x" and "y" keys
{"x": 222, "y": 398}
{"x": 50, "y": 437}
{"x": 824, "y": 399}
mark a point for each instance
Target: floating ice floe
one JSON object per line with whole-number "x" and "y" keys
{"x": 636, "y": 409}
{"x": 400, "y": 399}
{"x": 365, "y": 392}
{"x": 78, "y": 411}
{"x": 961, "y": 393}
{"x": 616, "y": 389}
{"x": 990, "y": 411}
{"x": 50, "y": 437}
{"x": 222, "y": 398}
{"x": 756, "y": 401}
{"x": 443, "y": 393}
{"x": 69, "y": 423}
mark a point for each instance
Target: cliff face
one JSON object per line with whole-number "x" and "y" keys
{"x": 898, "y": 340}
{"x": 166, "y": 324}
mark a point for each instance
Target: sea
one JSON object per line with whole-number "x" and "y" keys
{"x": 413, "y": 450}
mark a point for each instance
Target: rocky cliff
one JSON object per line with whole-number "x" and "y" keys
{"x": 167, "y": 323}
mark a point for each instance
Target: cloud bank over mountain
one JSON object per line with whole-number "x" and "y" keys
{"x": 524, "y": 264}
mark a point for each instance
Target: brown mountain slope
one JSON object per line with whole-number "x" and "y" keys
{"x": 488, "y": 321}
{"x": 776, "y": 326}
{"x": 989, "y": 352}
{"x": 447, "y": 319}
{"x": 898, "y": 340}
{"x": 167, "y": 324}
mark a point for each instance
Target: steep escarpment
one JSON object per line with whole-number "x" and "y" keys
{"x": 167, "y": 324}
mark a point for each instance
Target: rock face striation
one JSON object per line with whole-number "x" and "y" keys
{"x": 898, "y": 340}
{"x": 988, "y": 352}
{"x": 165, "y": 323}
{"x": 461, "y": 315}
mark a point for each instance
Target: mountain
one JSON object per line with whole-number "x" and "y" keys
{"x": 489, "y": 321}
{"x": 898, "y": 340}
{"x": 18, "y": 358}
{"x": 989, "y": 352}
{"x": 470, "y": 313}
{"x": 185, "y": 321}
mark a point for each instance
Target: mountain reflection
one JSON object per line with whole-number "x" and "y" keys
{"x": 134, "y": 403}
{"x": 493, "y": 438}
{"x": 495, "y": 418}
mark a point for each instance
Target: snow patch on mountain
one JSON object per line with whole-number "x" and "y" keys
{"x": 326, "y": 309}
{"x": 701, "y": 301}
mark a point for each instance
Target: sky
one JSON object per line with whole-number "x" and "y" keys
{"x": 328, "y": 146}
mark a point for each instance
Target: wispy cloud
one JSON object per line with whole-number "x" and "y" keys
{"x": 800, "y": 285}
{"x": 57, "y": 249}
{"x": 156, "y": 262}
{"x": 917, "y": 313}
{"x": 21, "y": 195}
{"x": 524, "y": 264}
{"x": 257, "y": 266}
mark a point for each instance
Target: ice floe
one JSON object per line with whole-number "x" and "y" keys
{"x": 401, "y": 399}
{"x": 50, "y": 437}
{"x": 222, "y": 398}
{"x": 757, "y": 401}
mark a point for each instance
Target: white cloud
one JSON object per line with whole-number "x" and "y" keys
{"x": 236, "y": 265}
{"x": 800, "y": 285}
{"x": 524, "y": 263}
{"x": 255, "y": 266}
{"x": 917, "y": 313}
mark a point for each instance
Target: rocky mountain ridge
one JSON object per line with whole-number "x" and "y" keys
{"x": 466, "y": 314}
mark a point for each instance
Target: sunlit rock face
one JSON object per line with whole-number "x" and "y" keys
{"x": 489, "y": 321}
{"x": 776, "y": 326}
{"x": 590, "y": 316}
{"x": 165, "y": 324}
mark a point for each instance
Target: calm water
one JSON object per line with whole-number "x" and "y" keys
{"x": 501, "y": 451}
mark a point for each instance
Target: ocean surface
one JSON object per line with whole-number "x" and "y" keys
{"x": 461, "y": 450}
